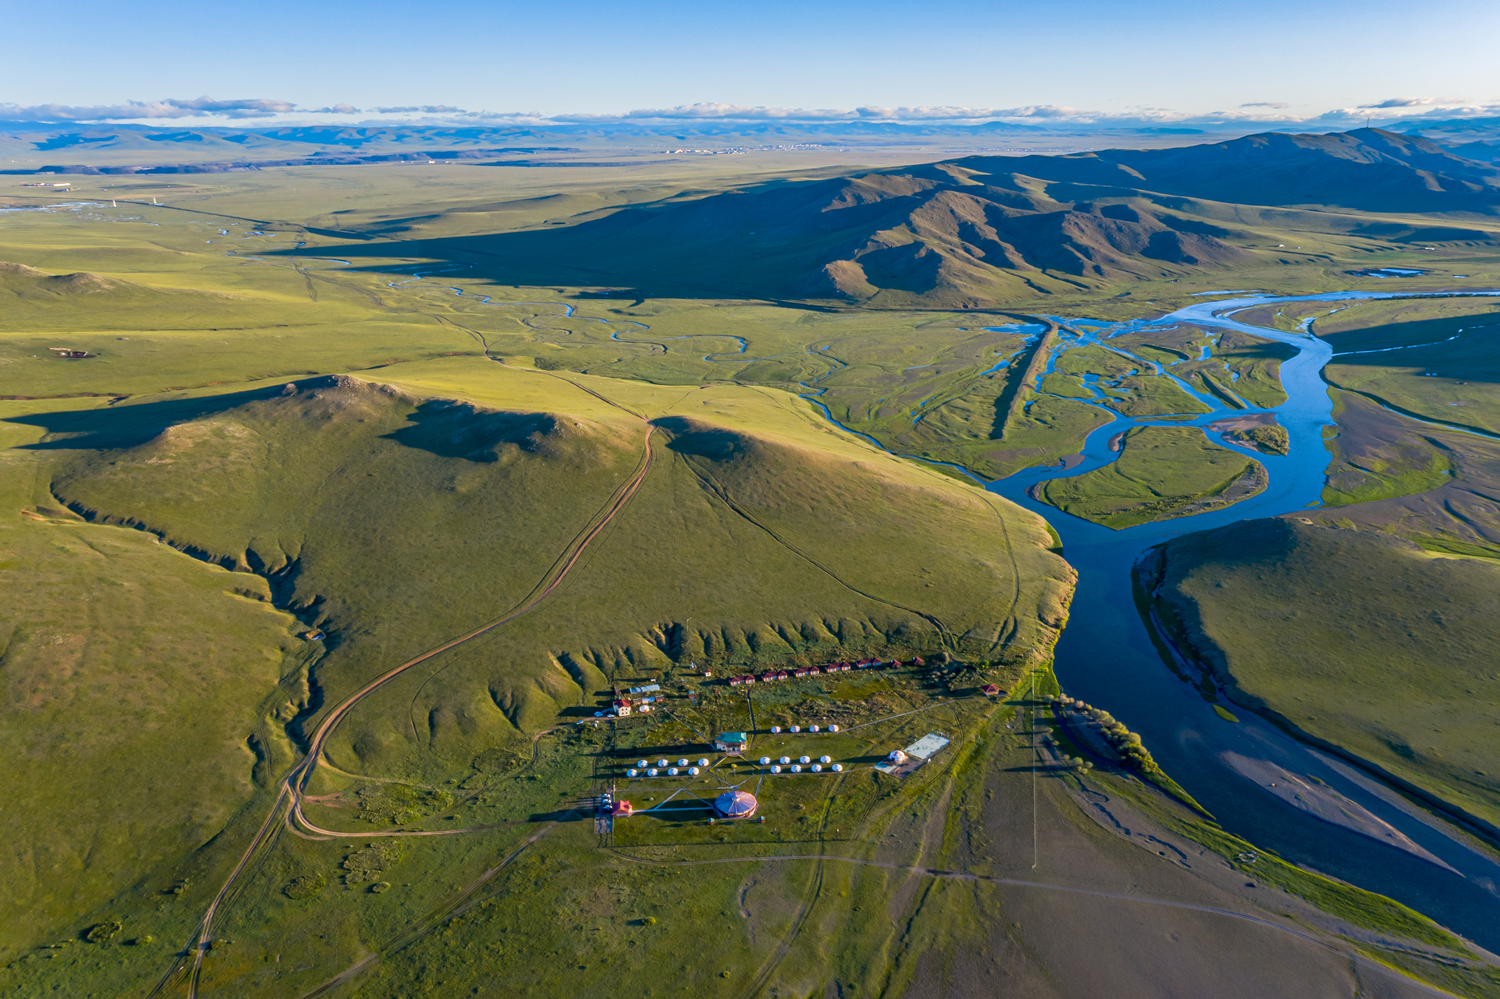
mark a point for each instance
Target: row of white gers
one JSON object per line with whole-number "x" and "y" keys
{"x": 802, "y": 761}
{"x": 644, "y": 768}
{"x": 796, "y": 729}
{"x": 661, "y": 765}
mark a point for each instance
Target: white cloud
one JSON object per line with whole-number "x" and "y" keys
{"x": 740, "y": 112}
{"x": 1278, "y": 105}
{"x": 1414, "y": 102}
{"x": 424, "y": 109}
{"x": 134, "y": 110}
{"x": 337, "y": 109}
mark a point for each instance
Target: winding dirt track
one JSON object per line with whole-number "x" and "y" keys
{"x": 293, "y": 785}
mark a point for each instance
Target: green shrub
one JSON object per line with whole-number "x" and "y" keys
{"x": 305, "y": 886}
{"x": 101, "y": 932}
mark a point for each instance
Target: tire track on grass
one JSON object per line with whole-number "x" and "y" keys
{"x": 556, "y": 572}
{"x": 295, "y": 782}
{"x": 456, "y": 906}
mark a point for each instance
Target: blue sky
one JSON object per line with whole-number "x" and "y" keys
{"x": 1294, "y": 59}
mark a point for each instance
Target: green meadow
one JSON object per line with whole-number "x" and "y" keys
{"x": 324, "y": 426}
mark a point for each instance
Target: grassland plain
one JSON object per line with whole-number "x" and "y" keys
{"x": 937, "y": 385}
{"x": 941, "y": 883}
{"x": 1162, "y": 472}
{"x": 1356, "y": 639}
{"x": 193, "y": 404}
{"x": 1415, "y": 392}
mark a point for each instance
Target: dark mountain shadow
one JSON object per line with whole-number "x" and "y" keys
{"x": 970, "y": 232}
{"x": 689, "y": 437}
{"x": 127, "y": 426}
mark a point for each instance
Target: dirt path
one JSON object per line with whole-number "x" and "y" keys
{"x": 293, "y": 784}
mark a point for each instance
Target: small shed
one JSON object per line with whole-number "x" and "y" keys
{"x": 622, "y": 809}
{"x": 990, "y": 690}
{"x": 732, "y": 742}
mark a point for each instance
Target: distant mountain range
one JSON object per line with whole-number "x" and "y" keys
{"x": 984, "y": 229}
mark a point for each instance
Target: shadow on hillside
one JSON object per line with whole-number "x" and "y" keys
{"x": 689, "y": 437}
{"x": 571, "y": 257}
{"x": 125, "y": 426}
{"x": 451, "y": 429}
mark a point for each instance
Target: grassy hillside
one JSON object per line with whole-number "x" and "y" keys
{"x": 1357, "y": 638}
{"x": 1366, "y": 168}
{"x": 392, "y": 518}
{"x": 1162, "y": 472}
{"x": 136, "y": 680}
{"x": 655, "y": 449}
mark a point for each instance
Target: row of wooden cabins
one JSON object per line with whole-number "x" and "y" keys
{"x": 803, "y": 672}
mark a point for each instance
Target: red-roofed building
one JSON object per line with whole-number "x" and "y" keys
{"x": 990, "y": 690}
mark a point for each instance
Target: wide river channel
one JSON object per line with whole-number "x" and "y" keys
{"x": 1106, "y": 657}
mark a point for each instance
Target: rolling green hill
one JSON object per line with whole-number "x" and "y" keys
{"x": 392, "y": 518}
